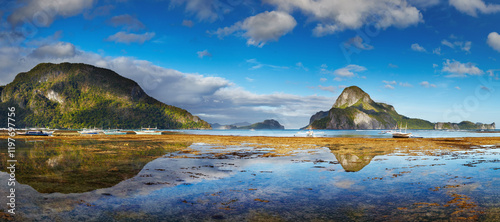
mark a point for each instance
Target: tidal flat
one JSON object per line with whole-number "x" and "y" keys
{"x": 233, "y": 178}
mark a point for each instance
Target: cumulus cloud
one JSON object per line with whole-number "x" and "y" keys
{"x": 494, "y": 41}
{"x": 458, "y": 69}
{"x": 349, "y": 71}
{"x": 337, "y": 15}
{"x": 426, "y": 84}
{"x": 58, "y": 50}
{"x": 261, "y": 28}
{"x": 417, "y": 47}
{"x": 458, "y": 88}
{"x": 43, "y": 12}
{"x": 473, "y": 7}
{"x": 393, "y": 66}
{"x": 124, "y": 37}
{"x": 204, "y": 53}
{"x": 127, "y": 21}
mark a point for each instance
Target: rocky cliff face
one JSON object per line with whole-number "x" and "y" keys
{"x": 354, "y": 109}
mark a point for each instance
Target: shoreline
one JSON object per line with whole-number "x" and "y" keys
{"x": 287, "y": 142}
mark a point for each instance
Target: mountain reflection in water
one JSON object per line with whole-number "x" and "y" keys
{"x": 200, "y": 182}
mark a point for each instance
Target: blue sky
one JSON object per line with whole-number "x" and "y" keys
{"x": 231, "y": 60}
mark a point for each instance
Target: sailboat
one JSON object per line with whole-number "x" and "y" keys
{"x": 400, "y": 134}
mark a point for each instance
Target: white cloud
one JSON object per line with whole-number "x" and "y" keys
{"x": 58, "y": 50}
{"x": 435, "y": 65}
{"x": 393, "y": 66}
{"x": 458, "y": 69}
{"x": 205, "y": 10}
{"x": 494, "y": 41}
{"x": 417, "y": 47}
{"x": 128, "y": 38}
{"x": 204, "y": 53}
{"x": 249, "y": 79}
{"x": 299, "y": 65}
{"x": 427, "y": 84}
{"x": 349, "y": 71}
{"x": 127, "y": 21}
{"x": 389, "y": 87}
{"x": 458, "y": 88}
{"x": 448, "y": 43}
{"x": 331, "y": 89}
{"x": 405, "y": 84}
{"x": 261, "y": 28}
{"x": 43, "y": 12}
{"x": 357, "y": 42}
{"x": 323, "y": 79}
{"x": 338, "y": 15}
{"x": 464, "y": 46}
{"x": 437, "y": 51}
{"x": 472, "y": 7}
{"x": 257, "y": 65}
{"x": 424, "y": 3}
{"x": 390, "y": 82}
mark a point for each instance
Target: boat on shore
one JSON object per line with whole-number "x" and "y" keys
{"x": 90, "y": 131}
{"x": 400, "y": 134}
{"x": 148, "y": 131}
{"x": 114, "y": 132}
{"x": 34, "y": 133}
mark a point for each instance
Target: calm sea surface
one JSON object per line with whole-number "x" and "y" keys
{"x": 346, "y": 133}
{"x": 89, "y": 180}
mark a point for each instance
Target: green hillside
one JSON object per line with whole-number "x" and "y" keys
{"x": 70, "y": 95}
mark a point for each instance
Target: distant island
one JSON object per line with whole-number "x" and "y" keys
{"x": 266, "y": 124}
{"x": 71, "y": 95}
{"x": 354, "y": 109}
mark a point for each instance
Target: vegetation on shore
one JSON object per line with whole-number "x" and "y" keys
{"x": 70, "y": 95}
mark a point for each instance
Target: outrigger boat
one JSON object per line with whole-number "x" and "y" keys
{"x": 148, "y": 131}
{"x": 400, "y": 134}
{"x": 34, "y": 133}
{"x": 90, "y": 131}
{"x": 114, "y": 132}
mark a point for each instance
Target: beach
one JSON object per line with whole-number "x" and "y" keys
{"x": 234, "y": 178}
